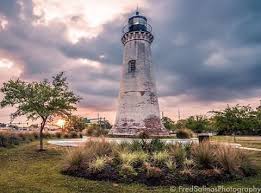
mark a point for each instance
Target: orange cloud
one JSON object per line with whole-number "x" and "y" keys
{"x": 83, "y": 18}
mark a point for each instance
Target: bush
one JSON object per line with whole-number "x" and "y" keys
{"x": 98, "y": 164}
{"x": 58, "y": 135}
{"x": 197, "y": 164}
{"x": 157, "y": 145}
{"x": 47, "y": 135}
{"x": 231, "y": 160}
{"x": 127, "y": 171}
{"x": 132, "y": 158}
{"x": 160, "y": 158}
{"x": 178, "y": 153}
{"x": 96, "y": 130}
{"x": 35, "y": 135}
{"x": 203, "y": 155}
{"x": 74, "y": 160}
{"x": 73, "y": 134}
{"x": 9, "y": 138}
{"x": 184, "y": 133}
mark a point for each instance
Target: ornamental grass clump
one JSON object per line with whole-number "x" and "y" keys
{"x": 178, "y": 153}
{"x": 160, "y": 158}
{"x": 75, "y": 161}
{"x": 131, "y": 158}
{"x": 230, "y": 159}
{"x": 99, "y": 164}
{"x": 172, "y": 164}
{"x": 203, "y": 155}
{"x": 12, "y": 138}
{"x": 184, "y": 133}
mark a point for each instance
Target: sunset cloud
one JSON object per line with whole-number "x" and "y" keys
{"x": 205, "y": 54}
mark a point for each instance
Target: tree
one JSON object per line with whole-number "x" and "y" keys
{"x": 39, "y": 100}
{"x": 168, "y": 123}
{"x": 75, "y": 123}
{"x": 235, "y": 120}
{"x": 198, "y": 123}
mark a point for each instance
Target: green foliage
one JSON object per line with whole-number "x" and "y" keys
{"x": 179, "y": 154}
{"x": 74, "y": 160}
{"x": 96, "y": 130}
{"x": 127, "y": 170}
{"x": 39, "y": 100}
{"x": 240, "y": 120}
{"x": 198, "y": 124}
{"x": 168, "y": 123}
{"x": 10, "y": 139}
{"x": 160, "y": 158}
{"x": 40, "y": 167}
{"x": 205, "y": 163}
{"x": 230, "y": 159}
{"x": 203, "y": 155}
{"x": 157, "y": 145}
{"x": 98, "y": 164}
{"x": 171, "y": 165}
{"x": 58, "y": 135}
{"x": 152, "y": 171}
{"x": 74, "y": 123}
{"x": 131, "y": 158}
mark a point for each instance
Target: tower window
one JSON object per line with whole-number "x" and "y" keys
{"x": 132, "y": 66}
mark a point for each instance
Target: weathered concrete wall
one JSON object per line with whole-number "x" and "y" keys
{"x": 138, "y": 107}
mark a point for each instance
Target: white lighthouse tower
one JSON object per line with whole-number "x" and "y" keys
{"x": 138, "y": 108}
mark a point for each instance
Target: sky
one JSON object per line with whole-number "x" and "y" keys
{"x": 206, "y": 54}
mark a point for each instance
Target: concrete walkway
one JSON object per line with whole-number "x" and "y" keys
{"x": 250, "y": 148}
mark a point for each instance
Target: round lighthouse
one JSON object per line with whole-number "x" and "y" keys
{"x": 138, "y": 108}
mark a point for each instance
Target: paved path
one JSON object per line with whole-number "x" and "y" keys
{"x": 250, "y": 148}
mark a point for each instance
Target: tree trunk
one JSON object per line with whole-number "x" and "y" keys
{"x": 41, "y": 134}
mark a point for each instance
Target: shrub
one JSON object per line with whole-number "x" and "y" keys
{"x": 178, "y": 153}
{"x": 188, "y": 149}
{"x": 35, "y": 135}
{"x": 184, "y": 133}
{"x": 98, "y": 148}
{"x": 157, "y": 145}
{"x": 74, "y": 160}
{"x": 231, "y": 160}
{"x": 131, "y": 158}
{"x": 9, "y": 139}
{"x": 58, "y": 135}
{"x": 96, "y": 130}
{"x": 66, "y": 135}
{"x": 98, "y": 164}
{"x": 152, "y": 171}
{"x": 173, "y": 165}
{"x": 73, "y": 134}
{"x": 160, "y": 158}
{"x": 135, "y": 145}
{"x": 189, "y": 163}
{"x": 22, "y": 135}
{"x": 47, "y": 135}
{"x": 248, "y": 167}
{"x": 203, "y": 155}
{"x": 127, "y": 170}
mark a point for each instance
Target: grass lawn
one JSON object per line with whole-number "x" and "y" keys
{"x": 24, "y": 170}
{"x": 246, "y": 141}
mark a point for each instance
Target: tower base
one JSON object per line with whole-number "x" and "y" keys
{"x": 137, "y": 131}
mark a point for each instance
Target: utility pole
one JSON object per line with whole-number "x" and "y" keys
{"x": 178, "y": 114}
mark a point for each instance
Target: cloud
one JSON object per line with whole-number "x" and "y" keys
{"x": 204, "y": 52}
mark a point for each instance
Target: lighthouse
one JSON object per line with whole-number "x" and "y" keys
{"x": 138, "y": 107}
